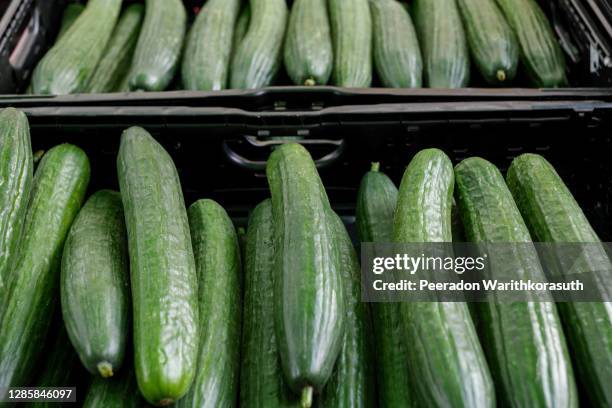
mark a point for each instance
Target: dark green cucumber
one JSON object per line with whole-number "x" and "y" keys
{"x": 523, "y": 341}
{"x": 217, "y": 254}
{"x": 71, "y": 13}
{"x": 309, "y": 296}
{"x": 397, "y": 55}
{"x": 209, "y": 46}
{"x": 446, "y": 59}
{"x": 258, "y": 57}
{"x": 115, "y": 63}
{"x": 58, "y": 189}
{"x": 351, "y": 25}
{"x": 352, "y": 385}
{"x": 376, "y": 202}
{"x": 16, "y": 182}
{"x": 241, "y": 28}
{"x": 308, "y": 45}
{"x": 540, "y": 52}
{"x": 261, "y": 377}
{"x": 162, "y": 269}
{"x": 446, "y": 360}
{"x": 492, "y": 42}
{"x": 119, "y": 391}
{"x": 95, "y": 284}
{"x": 68, "y": 66}
{"x": 553, "y": 215}
{"x": 159, "y": 45}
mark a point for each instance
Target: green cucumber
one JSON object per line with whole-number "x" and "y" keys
{"x": 162, "y": 269}
{"x": 68, "y": 66}
{"x": 119, "y": 391}
{"x": 492, "y": 42}
{"x": 376, "y": 203}
{"x": 209, "y": 46}
{"x": 351, "y": 25}
{"x": 352, "y": 385}
{"x": 446, "y": 59}
{"x": 159, "y": 45}
{"x": 241, "y": 28}
{"x": 71, "y": 13}
{"x": 94, "y": 284}
{"x": 58, "y": 190}
{"x": 217, "y": 253}
{"x": 309, "y": 296}
{"x": 115, "y": 63}
{"x": 308, "y": 45}
{"x": 397, "y": 55}
{"x": 553, "y": 215}
{"x": 16, "y": 182}
{"x": 523, "y": 341}
{"x": 261, "y": 377}
{"x": 540, "y": 52}
{"x": 446, "y": 360}
{"x": 258, "y": 57}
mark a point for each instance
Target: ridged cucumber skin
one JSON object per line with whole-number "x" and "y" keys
{"x": 493, "y": 45}
{"x": 261, "y": 378}
{"x": 115, "y": 63}
{"x": 16, "y": 181}
{"x": 241, "y": 28}
{"x": 259, "y": 55}
{"x": 58, "y": 190}
{"x": 540, "y": 53}
{"x": 523, "y": 341}
{"x": 446, "y": 59}
{"x": 217, "y": 253}
{"x": 553, "y": 215}
{"x": 94, "y": 284}
{"x": 71, "y": 13}
{"x": 119, "y": 391}
{"x": 208, "y": 51}
{"x": 445, "y": 357}
{"x": 397, "y": 54}
{"x": 309, "y": 295}
{"x": 352, "y": 385}
{"x": 162, "y": 269}
{"x": 376, "y": 202}
{"x": 308, "y": 44}
{"x": 158, "y": 50}
{"x": 351, "y": 25}
{"x": 68, "y": 66}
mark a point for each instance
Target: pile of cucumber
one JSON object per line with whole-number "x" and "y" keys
{"x": 243, "y": 44}
{"x": 166, "y": 304}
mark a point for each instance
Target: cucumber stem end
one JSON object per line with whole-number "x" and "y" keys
{"x": 375, "y": 167}
{"x": 310, "y": 82}
{"x": 306, "y": 401}
{"x": 501, "y": 75}
{"x": 105, "y": 369}
{"x": 165, "y": 402}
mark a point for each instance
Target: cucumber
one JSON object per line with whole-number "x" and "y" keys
{"x": 308, "y": 46}
{"x": 159, "y": 45}
{"x": 162, "y": 269}
{"x": 352, "y": 383}
{"x": 217, "y": 253}
{"x": 446, "y": 60}
{"x": 540, "y": 53}
{"x": 351, "y": 25}
{"x": 258, "y": 57}
{"x": 119, "y": 391}
{"x": 376, "y": 202}
{"x": 94, "y": 284}
{"x": 68, "y": 66}
{"x": 209, "y": 46}
{"x": 115, "y": 63}
{"x": 523, "y": 341}
{"x": 261, "y": 379}
{"x": 309, "y": 296}
{"x": 492, "y": 42}
{"x": 58, "y": 190}
{"x": 446, "y": 360}
{"x": 553, "y": 215}
{"x": 16, "y": 181}
{"x": 71, "y": 13}
{"x": 242, "y": 26}
{"x": 397, "y": 55}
